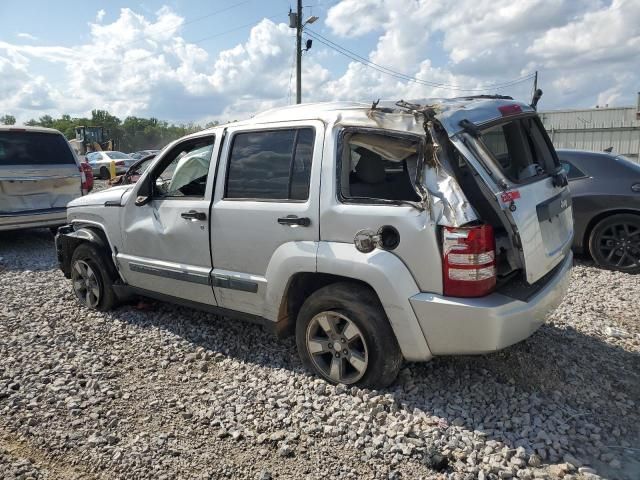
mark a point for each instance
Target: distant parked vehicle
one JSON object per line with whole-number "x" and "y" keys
{"x": 100, "y": 162}
{"x": 605, "y": 189}
{"x": 39, "y": 175}
{"x": 143, "y": 153}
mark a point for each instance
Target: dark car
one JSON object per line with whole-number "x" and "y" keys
{"x": 605, "y": 189}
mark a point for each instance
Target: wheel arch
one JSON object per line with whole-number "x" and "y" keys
{"x": 299, "y": 287}
{"x": 380, "y": 271}
{"x": 79, "y": 234}
{"x": 597, "y": 219}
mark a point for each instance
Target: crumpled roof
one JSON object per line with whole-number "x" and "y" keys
{"x": 449, "y": 112}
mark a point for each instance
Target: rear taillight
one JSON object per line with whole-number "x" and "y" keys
{"x": 469, "y": 261}
{"x": 120, "y": 163}
{"x": 86, "y": 176}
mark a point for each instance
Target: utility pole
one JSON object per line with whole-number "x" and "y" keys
{"x": 537, "y": 93}
{"x": 299, "y": 53}
{"x": 295, "y": 21}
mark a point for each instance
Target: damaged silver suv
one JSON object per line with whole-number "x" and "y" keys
{"x": 373, "y": 233}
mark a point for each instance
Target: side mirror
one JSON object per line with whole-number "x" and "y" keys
{"x": 145, "y": 191}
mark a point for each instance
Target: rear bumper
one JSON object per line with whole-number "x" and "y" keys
{"x": 481, "y": 325}
{"x": 37, "y": 218}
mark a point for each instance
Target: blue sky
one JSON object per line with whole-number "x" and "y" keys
{"x": 199, "y": 60}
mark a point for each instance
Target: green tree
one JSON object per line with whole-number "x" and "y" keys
{"x": 132, "y": 134}
{"x": 7, "y": 120}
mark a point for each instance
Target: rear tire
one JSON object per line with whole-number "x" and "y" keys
{"x": 92, "y": 278}
{"x": 614, "y": 243}
{"x": 343, "y": 335}
{"x": 104, "y": 173}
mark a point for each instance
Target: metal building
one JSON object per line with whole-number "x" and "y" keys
{"x": 596, "y": 129}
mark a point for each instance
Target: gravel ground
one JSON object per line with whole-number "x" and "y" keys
{"x": 167, "y": 392}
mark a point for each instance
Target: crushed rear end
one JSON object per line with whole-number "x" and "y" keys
{"x": 499, "y": 196}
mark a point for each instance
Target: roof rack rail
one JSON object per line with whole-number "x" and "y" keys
{"x": 495, "y": 97}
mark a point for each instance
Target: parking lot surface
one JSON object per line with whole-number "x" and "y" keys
{"x": 158, "y": 391}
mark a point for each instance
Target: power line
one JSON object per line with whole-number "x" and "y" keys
{"x": 389, "y": 71}
{"x": 217, "y": 12}
{"x": 358, "y": 58}
{"x": 204, "y": 39}
{"x": 193, "y": 20}
{"x": 382, "y": 69}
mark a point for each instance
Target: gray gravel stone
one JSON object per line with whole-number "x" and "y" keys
{"x": 126, "y": 393}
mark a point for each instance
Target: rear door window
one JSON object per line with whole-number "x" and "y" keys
{"x": 520, "y": 149}
{"x": 270, "y": 165}
{"x": 34, "y": 148}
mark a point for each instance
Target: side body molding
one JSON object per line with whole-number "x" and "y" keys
{"x": 393, "y": 283}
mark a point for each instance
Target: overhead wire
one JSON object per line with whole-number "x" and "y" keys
{"x": 193, "y": 20}
{"x": 388, "y": 71}
{"x": 203, "y": 39}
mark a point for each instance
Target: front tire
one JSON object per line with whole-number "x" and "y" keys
{"x": 614, "y": 243}
{"x": 343, "y": 335}
{"x": 92, "y": 279}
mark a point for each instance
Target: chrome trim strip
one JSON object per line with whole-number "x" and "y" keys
{"x": 167, "y": 273}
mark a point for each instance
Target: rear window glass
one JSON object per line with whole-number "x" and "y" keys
{"x": 34, "y": 148}
{"x": 520, "y": 149}
{"x": 629, "y": 163}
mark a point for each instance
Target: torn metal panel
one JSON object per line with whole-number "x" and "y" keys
{"x": 448, "y": 204}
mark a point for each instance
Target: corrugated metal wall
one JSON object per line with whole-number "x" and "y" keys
{"x": 596, "y": 129}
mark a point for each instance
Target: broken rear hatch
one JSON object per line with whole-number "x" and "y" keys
{"x": 511, "y": 155}
{"x": 38, "y": 172}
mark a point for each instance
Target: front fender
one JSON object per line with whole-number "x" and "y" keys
{"x": 392, "y": 282}
{"x": 66, "y": 241}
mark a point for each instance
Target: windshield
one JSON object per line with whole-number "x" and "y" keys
{"x": 117, "y": 155}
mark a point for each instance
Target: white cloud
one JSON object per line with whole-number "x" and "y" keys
{"x": 482, "y": 42}
{"x": 27, "y": 36}
{"x": 146, "y": 67}
{"x": 585, "y": 50}
{"x": 352, "y": 18}
{"x": 100, "y": 15}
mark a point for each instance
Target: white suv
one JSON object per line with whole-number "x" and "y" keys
{"x": 376, "y": 233}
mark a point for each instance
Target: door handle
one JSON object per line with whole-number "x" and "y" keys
{"x": 193, "y": 215}
{"x": 294, "y": 220}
